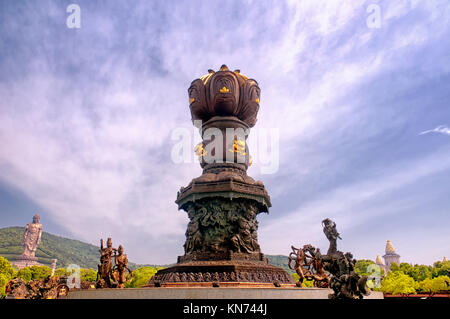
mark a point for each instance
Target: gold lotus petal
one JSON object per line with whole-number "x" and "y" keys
{"x": 257, "y": 100}
{"x": 243, "y": 77}
{"x": 191, "y": 100}
{"x": 224, "y": 90}
{"x": 206, "y": 77}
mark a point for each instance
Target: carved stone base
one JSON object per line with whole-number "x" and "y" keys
{"x": 25, "y": 261}
{"x": 229, "y": 255}
{"x": 220, "y": 273}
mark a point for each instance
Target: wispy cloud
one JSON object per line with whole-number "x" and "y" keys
{"x": 442, "y": 129}
{"x": 86, "y": 115}
{"x": 353, "y": 204}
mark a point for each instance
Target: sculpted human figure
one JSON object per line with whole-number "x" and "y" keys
{"x": 245, "y": 240}
{"x": 32, "y": 237}
{"x": 105, "y": 267}
{"x": 329, "y": 228}
{"x": 193, "y": 235}
{"x": 120, "y": 267}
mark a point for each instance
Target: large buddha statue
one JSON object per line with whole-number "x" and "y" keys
{"x": 32, "y": 237}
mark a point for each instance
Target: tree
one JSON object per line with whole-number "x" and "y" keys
{"x": 417, "y": 272}
{"x": 7, "y": 272}
{"x": 34, "y": 273}
{"x": 361, "y": 266}
{"x": 435, "y": 285}
{"x": 25, "y": 274}
{"x": 305, "y": 283}
{"x": 420, "y": 272}
{"x": 6, "y": 268}
{"x": 40, "y": 272}
{"x": 141, "y": 276}
{"x": 88, "y": 275}
{"x": 395, "y": 267}
{"x": 85, "y": 274}
{"x": 61, "y": 272}
{"x": 3, "y": 282}
{"x": 427, "y": 286}
{"x": 397, "y": 283}
{"x": 406, "y": 268}
{"x": 365, "y": 267}
{"x": 441, "y": 269}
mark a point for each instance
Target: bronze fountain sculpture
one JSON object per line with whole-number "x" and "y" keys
{"x": 222, "y": 204}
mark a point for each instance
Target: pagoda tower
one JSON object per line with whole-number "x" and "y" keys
{"x": 379, "y": 262}
{"x": 390, "y": 256}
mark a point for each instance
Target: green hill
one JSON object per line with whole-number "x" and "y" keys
{"x": 280, "y": 261}
{"x": 71, "y": 251}
{"x": 67, "y": 251}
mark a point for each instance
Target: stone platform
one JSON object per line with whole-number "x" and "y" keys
{"x": 223, "y": 272}
{"x": 25, "y": 261}
{"x": 208, "y": 293}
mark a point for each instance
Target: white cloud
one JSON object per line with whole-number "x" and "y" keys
{"x": 440, "y": 129}
{"x": 96, "y": 155}
{"x": 351, "y": 204}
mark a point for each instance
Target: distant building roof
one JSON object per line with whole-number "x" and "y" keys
{"x": 389, "y": 248}
{"x": 379, "y": 261}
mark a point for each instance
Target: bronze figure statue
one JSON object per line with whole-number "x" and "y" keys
{"x": 120, "y": 269}
{"x": 105, "y": 268}
{"x": 335, "y": 269}
{"x": 329, "y": 228}
{"x": 345, "y": 282}
{"x": 106, "y": 271}
{"x": 308, "y": 265}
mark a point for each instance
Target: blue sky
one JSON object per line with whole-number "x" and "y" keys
{"x": 86, "y": 117}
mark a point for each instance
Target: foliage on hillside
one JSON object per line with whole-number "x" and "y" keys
{"x": 406, "y": 279}
{"x": 34, "y": 273}
{"x": 305, "y": 283}
{"x": 85, "y": 274}
{"x": 7, "y": 272}
{"x": 397, "y": 283}
{"x": 280, "y": 261}
{"x": 141, "y": 276}
{"x": 70, "y": 251}
{"x": 365, "y": 267}
{"x": 67, "y": 251}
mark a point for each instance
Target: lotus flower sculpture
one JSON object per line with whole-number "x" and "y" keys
{"x": 224, "y": 93}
